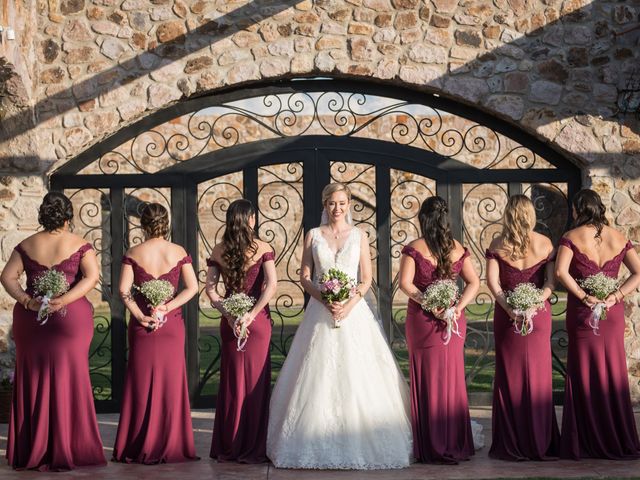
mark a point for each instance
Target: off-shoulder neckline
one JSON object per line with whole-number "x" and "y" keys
{"x": 83, "y": 248}
{"x": 181, "y": 262}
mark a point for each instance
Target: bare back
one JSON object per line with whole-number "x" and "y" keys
{"x": 421, "y": 246}
{"x": 540, "y": 247}
{"x": 49, "y": 249}
{"x": 263, "y": 247}
{"x": 157, "y": 256}
{"x": 600, "y": 250}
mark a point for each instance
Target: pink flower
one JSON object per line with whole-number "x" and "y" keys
{"x": 330, "y": 285}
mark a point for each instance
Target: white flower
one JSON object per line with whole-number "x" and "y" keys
{"x": 157, "y": 292}
{"x": 48, "y": 285}
{"x": 525, "y": 300}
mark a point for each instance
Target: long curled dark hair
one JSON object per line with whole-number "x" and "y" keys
{"x": 155, "y": 221}
{"x": 436, "y": 231}
{"x": 56, "y": 208}
{"x": 589, "y": 210}
{"x": 239, "y": 243}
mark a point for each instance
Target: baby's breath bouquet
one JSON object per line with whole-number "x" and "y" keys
{"x": 336, "y": 286}
{"x": 443, "y": 295}
{"x": 238, "y": 305}
{"x": 50, "y": 284}
{"x": 600, "y": 286}
{"x": 525, "y": 302}
{"x": 156, "y": 292}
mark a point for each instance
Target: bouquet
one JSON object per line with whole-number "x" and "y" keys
{"x": 238, "y": 305}
{"x": 48, "y": 285}
{"x": 336, "y": 286}
{"x": 156, "y": 292}
{"x": 525, "y": 302}
{"x": 600, "y": 286}
{"x": 443, "y": 295}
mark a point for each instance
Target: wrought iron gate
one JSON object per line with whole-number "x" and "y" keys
{"x": 278, "y": 145}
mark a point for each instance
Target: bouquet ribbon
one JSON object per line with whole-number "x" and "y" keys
{"x": 597, "y": 312}
{"x": 242, "y": 337}
{"x": 43, "y": 312}
{"x": 527, "y": 323}
{"x": 452, "y": 324}
{"x": 160, "y": 316}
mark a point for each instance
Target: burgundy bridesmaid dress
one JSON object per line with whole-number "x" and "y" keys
{"x": 439, "y": 406}
{"x": 53, "y": 422}
{"x": 598, "y": 420}
{"x": 242, "y": 409}
{"x": 524, "y": 421}
{"x": 155, "y": 418}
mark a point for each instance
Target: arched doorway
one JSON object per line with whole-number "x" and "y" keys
{"x": 278, "y": 145}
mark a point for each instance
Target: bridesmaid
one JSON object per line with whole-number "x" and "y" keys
{"x": 53, "y": 421}
{"x": 247, "y": 265}
{"x": 439, "y": 405}
{"x": 524, "y": 419}
{"x": 155, "y": 419}
{"x": 598, "y": 420}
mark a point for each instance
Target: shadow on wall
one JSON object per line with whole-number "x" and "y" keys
{"x": 575, "y": 66}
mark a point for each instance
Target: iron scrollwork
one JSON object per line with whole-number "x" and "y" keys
{"x": 280, "y": 207}
{"x": 407, "y": 193}
{"x": 483, "y": 207}
{"x": 213, "y": 201}
{"x": 334, "y": 113}
{"x": 92, "y": 215}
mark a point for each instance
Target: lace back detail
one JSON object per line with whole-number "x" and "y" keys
{"x": 582, "y": 266}
{"x": 70, "y": 266}
{"x": 141, "y": 275}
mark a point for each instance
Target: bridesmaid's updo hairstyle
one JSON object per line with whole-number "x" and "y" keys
{"x": 436, "y": 231}
{"x": 589, "y": 210}
{"x": 332, "y": 188}
{"x": 56, "y": 208}
{"x": 239, "y": 242}
{"x": 518, "y": 221}
{"x": 155, "y": 221}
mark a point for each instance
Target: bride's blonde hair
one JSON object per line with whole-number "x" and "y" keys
{"x": 332, "y": 188}
{"x": 518, "y": 221}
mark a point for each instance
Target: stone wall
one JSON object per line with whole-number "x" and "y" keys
{"x": 80, "y": 70}
{"x": 553, "y": 67}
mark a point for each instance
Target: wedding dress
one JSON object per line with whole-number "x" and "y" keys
{"x": 340, "y": 401}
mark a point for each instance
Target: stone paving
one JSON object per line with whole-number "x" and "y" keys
{"x": 479, "y": 467}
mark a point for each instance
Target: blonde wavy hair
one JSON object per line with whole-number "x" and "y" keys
{"x": 518, "y": 221}
{"x": 332, "y": 188}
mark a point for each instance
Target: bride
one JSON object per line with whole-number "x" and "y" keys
{"x": 340, "y": 401}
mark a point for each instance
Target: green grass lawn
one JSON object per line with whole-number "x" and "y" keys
{"x": 479, "y": 354}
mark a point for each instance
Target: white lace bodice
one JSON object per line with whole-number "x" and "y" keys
{"x": 346, "y": 259}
